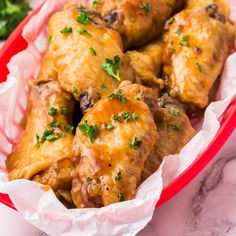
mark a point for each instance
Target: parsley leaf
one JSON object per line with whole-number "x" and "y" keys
{"x": 147, "y": 7}
{"x": 171, "y": 21}
{"x": 68, "y": 128}
{"x": 54, "y": 124}
{"x": 118, "y": 176}
{"x": 89, "y": 130}
{"x": 92, "y": 51}
{"x": 135, "y": 143}
{"x": 83, "y": 17}
{"x": 84, "y": 31}
{"x": 118, "y": 96}
{"x": 176, "y": 127}
{"x": 126, "y": 115}
{"x": 74, "y": 90}
{"x": 135, "y": 116}
{"x": 110, "y": 127}
{"x": 199, "y": 67}
{"x": 112, "y": 67}
{"x": 67, "y": 30}
{"x": 95, "y": 3}
{"x": 52, "y": 111}
{"x": 116, "y": 118}
{"x": 121, "y": 197}
{"x": 63, "y": 110}
{"x": 174, "y": 111}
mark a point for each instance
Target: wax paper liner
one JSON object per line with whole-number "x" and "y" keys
{"x": 42, "y": 209}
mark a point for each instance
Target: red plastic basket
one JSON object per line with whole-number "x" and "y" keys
{"x": 16, "y": 43}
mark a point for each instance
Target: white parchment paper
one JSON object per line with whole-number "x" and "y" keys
{"x": 41, "y": 208}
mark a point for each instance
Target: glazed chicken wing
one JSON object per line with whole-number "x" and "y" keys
{"x": 175, "y": 132}
{"x": 47, "y": 138}
{"x": 137, "y": 21}
{"x": 87, "y": 56}
{"x": 196, "y": 46}
{"x": 111, "y": 145}
{"x": 147, "y": 62}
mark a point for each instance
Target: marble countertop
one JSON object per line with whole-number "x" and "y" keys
{"x": 206, "y": 207}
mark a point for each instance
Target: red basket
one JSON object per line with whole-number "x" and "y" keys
{"x": 16, "y": 43}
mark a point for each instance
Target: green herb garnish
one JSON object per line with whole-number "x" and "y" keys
{"x": 83, "y": 17}
{"x": 52, "y": 111}
{"x": 54, "y": 124}
{"x": 174, "y": 111}
{"x": 95, "y": 3}
{"x": 171, "y": 21}
{"x": 126, "y": 116}
{"x": 112, "y": 67}
{"x": 67, "y": 30}
{"x": 74, "y": 90}
{"x": 176, "y": 127}
{"x": 185, "y": 37}
{"x": 118, "y": 176}
{"x": 121, "y": 197}
{"x": 89, "y": 179}
{"x": 135, "y": 143}
{"x": 64, "y": 110}
{"x": 135, "y": 116}
{"x": 172, "y": 50}
{"x": 118, "y": 96}
{"x": 110, "y": 126}
{"x": 147, "y": 7}
{"x": 116, "y": 118}
{"x": 68, "y": 128}
{"x": 103, "y": 86}
{"x": 92, "y": 51}
{"x": 83, "y": 31}
{"x": 48, "y": 135}
{"x": 89, "y": 130}
{"x": 178, "y": 31}
{"x": 199, "y": 67}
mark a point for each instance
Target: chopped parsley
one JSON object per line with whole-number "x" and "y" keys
{"x": 184, "y": 41}
{"x": 84, "y": 31}
{"x": 83, "y": 17}
{"x": 112, "y": 67}
{"x": 147, "y": 7}
{"x": 67, "y": 30}
{"x": 171, "y": 21}
{"x": 135, "y": 116}
{"x": 172, "y": 50}
{"x": 63, "y": 110}
{"x": 95, "y": 3}
{"x": 89, "y": 179}
{"x": 110, "y": 127}
{"x": 126, "y": 116}
{"x": 118, "y": 176}
{"x": 121, "y": 197}
{"x": 116, "y": 118}
{"x": 54, "y": 124}
{"x": 89, "y": 130}
{"x": 103, "y": 86}
{"x": 68, "y": 128}
{"x": 74, "y": 90}
{"x": 92, "y": 51}
{"x": 52, "y": 111}
{"x": 176, "y": 127}
{"x": 118, "y": 96}
{"x": 48, "y": 135}
{"x": 199, "y": 67}
{"x": 185, "y": 37}
{"x": 135, "y": 143}
{"x": 174, "y": 111}
{"x": 178, "y": 31}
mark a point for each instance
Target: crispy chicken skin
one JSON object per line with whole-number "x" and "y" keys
{"x": 108, "y": 168}
{"x": 79, "y": 54}
{"x": 137, "y": 21}
{"x": 196, "y": 47}
{"x": 175, "y": 132}
{"x": 47, "y": 70}
{"x": 147, "y": 62}
{"x": 34, "y": 154}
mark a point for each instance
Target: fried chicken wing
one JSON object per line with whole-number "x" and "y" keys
{"x": 47, "y": 138}
{"x": 111, "y": 145}
{"x": 137, "y": 21}
{"x": 87, "y": 56}
{"x": 147, "y": 62}
{"x": 196, "y": 47}
{"x": 175, "y": 132}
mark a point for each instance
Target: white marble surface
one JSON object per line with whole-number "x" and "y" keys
{"x": 206, "y": 207}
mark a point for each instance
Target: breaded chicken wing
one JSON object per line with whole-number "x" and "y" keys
{"x": 137, "y": 21}
{"x": 87, "y": 56}
{"x": 47, "y": 138}
{"x": 175, "y": 132}
{"x": 195, "y": 50}
{"x": 111, "y": 145}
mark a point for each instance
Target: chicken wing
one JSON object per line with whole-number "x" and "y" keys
{"x": 147, "y": 62}
{"x": 87, "y": 56}
{"x": 196, "y": 47}
{"x": 47, "y": 138}
{"x": 137, "y": 21}
{"x": 175, "y": 132}
{"x": 111, "y": 145}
